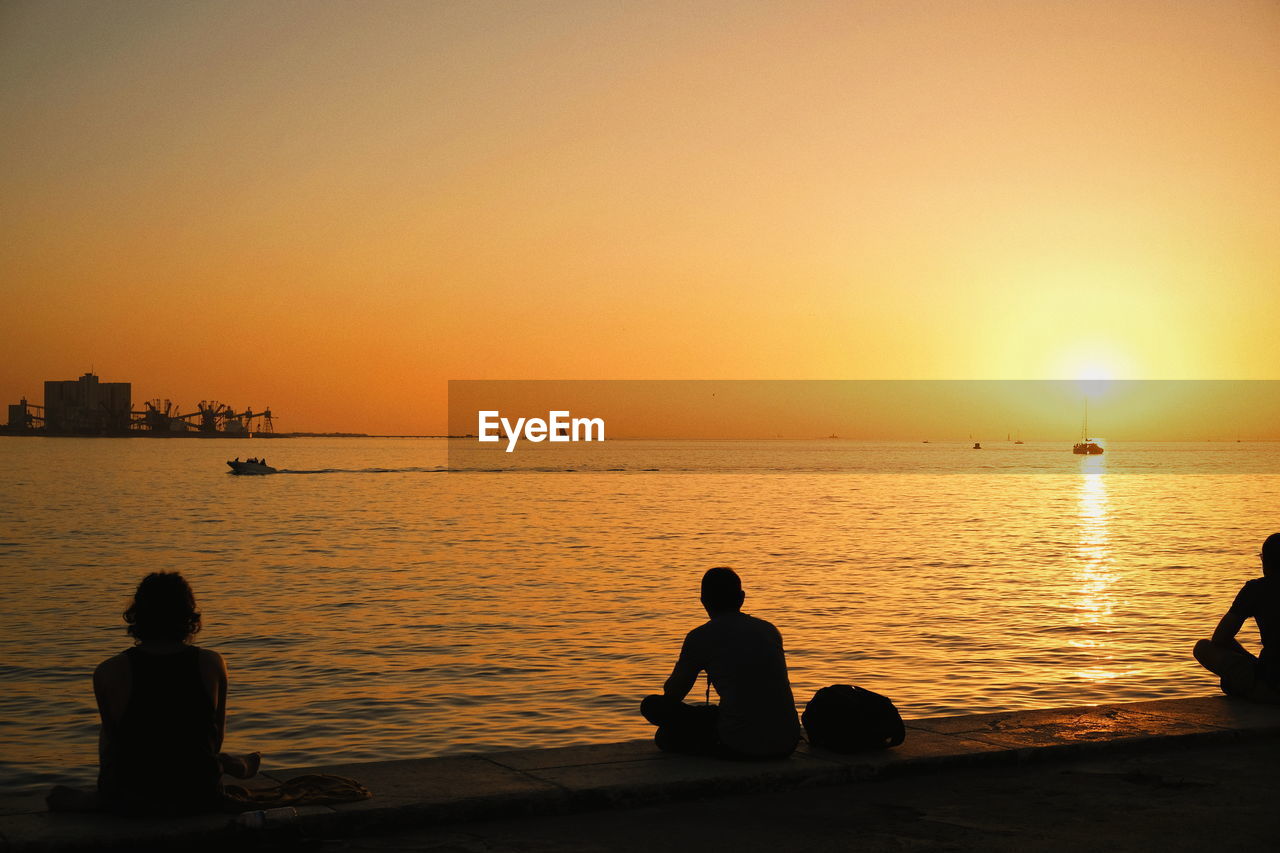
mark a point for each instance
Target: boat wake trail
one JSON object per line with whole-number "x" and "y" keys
{"x": 437, "y": 470}
{"x": 445, "y": 469}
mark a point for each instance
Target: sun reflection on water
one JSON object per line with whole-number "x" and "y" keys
{"x": 1096, "y": 575}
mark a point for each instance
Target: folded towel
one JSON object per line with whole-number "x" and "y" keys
{"x": 311, "y": 789}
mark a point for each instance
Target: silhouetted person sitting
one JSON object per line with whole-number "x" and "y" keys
{"x": 163, "y": 705}
{"x": 745, "y": 662}
{"x": 1242, "y": 674}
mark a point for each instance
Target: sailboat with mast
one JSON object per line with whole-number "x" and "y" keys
{"x": 1086, "y": 446}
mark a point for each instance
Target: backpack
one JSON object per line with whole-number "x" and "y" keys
{"x": 849, "y": 719}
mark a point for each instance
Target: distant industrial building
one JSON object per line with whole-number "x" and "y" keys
{"x": 89, "y": 406}
{"x": 21, "y": 416}
{"x": 86, "y": 405}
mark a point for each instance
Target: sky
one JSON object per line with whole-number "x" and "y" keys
{"x": 333, "y": 209}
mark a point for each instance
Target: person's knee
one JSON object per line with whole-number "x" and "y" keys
{"x": 1216, "y": 659}
{"x": 1203, "y": 652}
{"x": 653, "y": 708}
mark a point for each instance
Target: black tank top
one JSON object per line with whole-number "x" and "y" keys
{"x": 161, "y": 756}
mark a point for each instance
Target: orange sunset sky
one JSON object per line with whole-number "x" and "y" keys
{"x": 334, "y": 208}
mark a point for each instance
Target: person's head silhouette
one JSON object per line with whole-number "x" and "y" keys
{"x": 722, "y": 590}
{"x": 163, "y": 610}
{"x": 1271, "y": 555}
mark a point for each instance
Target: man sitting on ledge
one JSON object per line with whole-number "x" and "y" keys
{"x": 744, "y": 661}
{"x": 1256, "y": 678}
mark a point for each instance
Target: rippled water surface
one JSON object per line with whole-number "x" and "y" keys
{"x": 373, "y": 607}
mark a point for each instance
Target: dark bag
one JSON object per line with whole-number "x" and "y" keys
{"x": 849, "y": 719}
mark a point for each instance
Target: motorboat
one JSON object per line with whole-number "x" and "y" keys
{"x": 250, "y": 466}
{"x": 977, "y": 445}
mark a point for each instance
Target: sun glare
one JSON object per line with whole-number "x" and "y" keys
{"x": 1094, "y": 373}
{"x": 1095, "y": 361}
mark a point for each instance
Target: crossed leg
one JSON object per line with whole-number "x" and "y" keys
{"x": 1238, "y": 672}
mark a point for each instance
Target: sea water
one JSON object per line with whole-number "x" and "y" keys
{"x": 371, "y": 605}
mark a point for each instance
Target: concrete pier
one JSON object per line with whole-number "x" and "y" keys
{"x": 438, "y": 792}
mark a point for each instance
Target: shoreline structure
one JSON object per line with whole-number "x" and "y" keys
{"x": 436, "y": 791}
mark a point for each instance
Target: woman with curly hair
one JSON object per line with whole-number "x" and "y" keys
{"x": 163, "y": 704}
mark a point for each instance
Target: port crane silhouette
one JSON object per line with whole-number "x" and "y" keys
{"x": 210, "y": 416}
